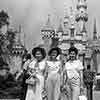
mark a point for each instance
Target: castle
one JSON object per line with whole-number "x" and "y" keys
{"x": 12, "y": 49}
{"x": 72, "y": 31}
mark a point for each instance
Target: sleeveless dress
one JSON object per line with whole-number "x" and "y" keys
{"x": 53, "y": 80}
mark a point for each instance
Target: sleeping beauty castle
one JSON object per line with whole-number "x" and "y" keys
{"x": 73, "y": 31}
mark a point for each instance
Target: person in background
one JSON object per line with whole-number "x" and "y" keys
{"x": 88, "y": 81}
{"x": 27, "y": 61}
{"x": 74, "y": 70}
{"x": 36, "y": 75}
{"x": 8, "y": 85}
{"x": 53, "y": 70}
{"x": 24, "y": 75}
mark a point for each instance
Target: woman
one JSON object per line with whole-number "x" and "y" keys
{"x": 36, "y": 72}
{"x": 24, "y": 75}
{"x": 74, "y": 70}
{"x": 54, "y": 71}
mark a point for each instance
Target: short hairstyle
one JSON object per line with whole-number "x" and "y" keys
{"x": 42, "y": 50}
{"x": 73, "y": 49}
{"x": 53, "y": 49}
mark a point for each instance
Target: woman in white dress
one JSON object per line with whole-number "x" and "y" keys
{"x": 36, "y": 72}
{"x": 74, "y": 70}
{"x": 54, "y": 71}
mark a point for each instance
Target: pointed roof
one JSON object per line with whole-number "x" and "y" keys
{"x": 60, "y": 27}
{"x": 95, "y": 30}
{"x": 66, "y": 15}
{"x": 84, "y": 29}
{"x": 48, "y": 25}
{"x": 17, "y": 46}
{"x": 19, "y": 34}
{"x": 71, "y": 11}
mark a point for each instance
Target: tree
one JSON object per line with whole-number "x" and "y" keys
{"x": 6, "y": 40}
{"x": 4, "y": 18}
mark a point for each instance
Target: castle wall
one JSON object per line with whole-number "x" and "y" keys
{"x": 16, "y": 64}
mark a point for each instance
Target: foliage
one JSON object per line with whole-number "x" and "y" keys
{"x": 7, "y": 39}
{"x": 4, "y": 18}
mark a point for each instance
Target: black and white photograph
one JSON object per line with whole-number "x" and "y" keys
{"x": 49, "y": 50}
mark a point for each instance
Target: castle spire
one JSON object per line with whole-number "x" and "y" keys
{"x": 66, "y": 15}
{"x": 48, "y": 25}
{"x": 48, "y": 21}
{"x": 95, "y": 30}
{"x": 84, "y": 29}
{"x": 60, "y": 28}
{"x": 19, "y": 34}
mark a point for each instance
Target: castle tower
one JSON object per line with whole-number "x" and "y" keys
{"x": 66, "y": 21}
{"x": 18, "y": 51}
{"x": 72, "y": 25}
{"x": 47, "y": 33}
{"x": 94, "y": 31}
{"x": 97, "y": 45}
{"x": 60, "y": 31}
{"x": 84, "y": 34}
{"x": 81, "y": 16}
{"x": 94, "y": 45}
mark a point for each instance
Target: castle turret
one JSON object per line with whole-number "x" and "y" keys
{"x": 94, "y": 31}
{"x": 84, "y": 33}
{"x": 72, "y": 24}
{"x": 60, "y": 31}
{"x": 66, "y": 21}
{"x": 82, "y": 15}
{"x": 48, "y": 33}
{"x": 18, "y": 51}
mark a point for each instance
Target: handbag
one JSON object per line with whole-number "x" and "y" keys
{"x": 82, "y": 97}
{"x": 31, "y": 81}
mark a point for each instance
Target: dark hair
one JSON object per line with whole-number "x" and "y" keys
{"x": 73, "y": 49}
{"x": 53, "y": 49}
{"x": 42, "y": 50}
{"x": 28, "y": 56}
{"x": 89, "y": 66}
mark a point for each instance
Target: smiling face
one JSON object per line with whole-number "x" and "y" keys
{"x": 53, "y": 54}
{"x": 72, "y": 55}
{"x": 38, "y": 55}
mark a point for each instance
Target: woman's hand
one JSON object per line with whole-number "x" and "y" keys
{"x": 32, "y": 72}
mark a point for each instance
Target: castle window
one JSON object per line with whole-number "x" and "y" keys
{"x": 72, "y": 32}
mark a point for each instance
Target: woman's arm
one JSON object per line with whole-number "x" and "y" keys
{"x": 81, "y": 78}
{"x": 80, "y": 69}
{"x": 60, "y": 68}
{"x": 45, "y": 71}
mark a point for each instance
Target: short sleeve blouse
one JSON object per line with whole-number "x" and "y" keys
{"x": 73, "y": 68}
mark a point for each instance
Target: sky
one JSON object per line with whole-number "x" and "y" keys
{"x": 32, "y": 15}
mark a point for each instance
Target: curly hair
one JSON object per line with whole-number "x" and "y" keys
{"x": 42, "y": 50}
{"x": 54, "y": 49}
{"x": 73, "y": 49}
